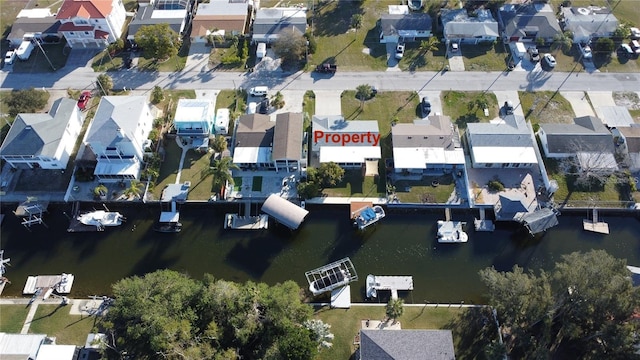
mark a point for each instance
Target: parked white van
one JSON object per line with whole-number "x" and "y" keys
{"x": 261, "y": 51}
{"x": 258, "y": 91}
{"x": 25, "y": 49}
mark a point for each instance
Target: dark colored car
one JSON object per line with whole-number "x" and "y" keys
{"x": 425, "y": 107}
{"x": 84, "y": 99}
{"x": 263, "y": 107}
{"x": 508, "y": 107}
{"x": 126, "y": 62}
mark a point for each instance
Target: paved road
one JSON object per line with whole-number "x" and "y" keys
{"x": 197, "y": 79}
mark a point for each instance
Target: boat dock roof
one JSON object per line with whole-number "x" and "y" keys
{"x": 285, "y": 212}
{"x": 393, "y": 283}
{"x": 329, "y": 276}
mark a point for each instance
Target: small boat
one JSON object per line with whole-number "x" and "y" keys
{"x": 368, "y": 216}
{"x": 101, "y": 218}
{"x": 415, "y": 5}
{"x": 371, "y": 286}
{"x": 168, "y": 227}
{"x": 451, "y": 232}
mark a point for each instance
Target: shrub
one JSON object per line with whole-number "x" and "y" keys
{"x": 495, "y": 185}
{"x": 157, "y": 94}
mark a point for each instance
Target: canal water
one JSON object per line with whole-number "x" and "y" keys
{"x": 402, "y": 244}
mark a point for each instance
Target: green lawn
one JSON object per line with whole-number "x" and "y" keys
{"x": 484, "y": 57}
{"x": 256, "y": 183}
{"x": 463, "y": 107}
{"x": 55, "y": 321}
{"x": 103, "y": 62}
{"x": 546, "y": 107}
{"x": 354, "y": 184}
{"x": 401, "y": 106}
{"x": 309, "y": 104}
{"x": 194, "y": 164}
{"x": 416, "y": 60}
{"x": 339, "y": 44}
{"x": 37, "y": 63}
{"x": 169, "y": 167}
{"x": 12, "y": 318}
{"x": 345, "y": 324}
{"x": 409, "y": 191}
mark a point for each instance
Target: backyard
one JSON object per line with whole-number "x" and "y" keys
{"x": 55, "y": 321}
{"x": 429, "y": 189}
{"x": 354, "y": 184}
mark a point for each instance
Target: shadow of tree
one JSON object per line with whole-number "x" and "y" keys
{"x": 334, "y": 18}
{"x": 474, "y": 330}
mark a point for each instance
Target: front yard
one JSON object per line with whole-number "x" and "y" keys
{"x": 546, "y": 107}
{"x": 468, "y": 107}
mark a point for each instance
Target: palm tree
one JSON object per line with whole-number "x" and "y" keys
{"x": 363, "y": 93}
{"x": 100, "y": 191}
{"x": 395, "y": 309}
{"x": 219, "y": 144}
{"x": 221, "y": 171}
{"x": 430, "y": 44}
{"x": 214, "y": 36}
{"x": 563, "y": 41}
{"x": 136, "y": 187}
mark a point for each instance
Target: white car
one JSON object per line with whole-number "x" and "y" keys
{"x": 399, "y": 51}
{"x": 586, "y": 51}
{"x": 549, "y": 60}
{"x": 9, "y": 57}
{"x": 635, "y": 33}
{"x": 251, "y": 108}
{"x": 454, "y": 47}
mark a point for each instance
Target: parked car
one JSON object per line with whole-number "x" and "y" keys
{"x": 635, "y": 33}
{"x": 9, "y": 57}
{"x": 399, "y": 51}
{"x": 425, "y": 107}
{"x": 263, "y": 106}
{"x": 534, "y": 54}
{"x": 508, "y": 107}
{"x": 635, "y": 46}
{"x": 454, "y": 47}
{"x": 327, "y": 68}
{"x": 83, "y": 100}
{"x": 258, "y": 91}
{"x": 585, "y": 50}
{"x": 549, "y": 60}
{"x": 626, "y": 50}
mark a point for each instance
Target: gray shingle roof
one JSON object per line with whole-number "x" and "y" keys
{"x": 513, "y": 132}
{"x": 436, "y": 132}
{"x": 586, "y": 21}
{"x": 458, "y": 24}
{"x": 254, "y": 130}
{"x": 528, "y": 19}
{"x": 587, "y": 134}
{"x": 114, "y": 113}
{"x": 632, "y": 137}
{"x": 392, "y": 23}
{"x": 46, "y": 25}
{"x": 273, "y": 20}
{"x": 39, "y": 134}
{"x": 406, "y": 345}
{"x": 143, "y": 18}
{"x": 287, "y": 138}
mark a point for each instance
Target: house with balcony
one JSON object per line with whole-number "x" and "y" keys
{"x": 458, "y": 26}
{"x": 401, "y": 25}
{"x": 504, "y": 144}
{"x": 221, "y": 17}
{"x": 91, "y": 23}
{"x": 118, "y": 136}
{"x": 349, "y": 144}
{"x": 528, "y": 23}
{"x": 175, "y": 13}
{"x": 586, "y": 23}
{"x": 270, "y": 22}
{"x": 587, "y": 140}
{"x": 194, "y": 121}
{"x": 43, "y": 140}
{"x": 262, "y": 144}
{"x": 429, "y": 146}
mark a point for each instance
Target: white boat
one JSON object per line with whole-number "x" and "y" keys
{"x": 371, "y": 286}
{"x": 451, "y": 232}
{"x": 368, "y": 216}
{"x": 101, "y": 218}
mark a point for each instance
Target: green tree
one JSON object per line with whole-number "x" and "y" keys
{"x": 290, "y": 45}
{"x": 563, "y": 41}
{"x": 394, "y": 309}
{"x": 356, "y": 21}
{"x": 219, "y": 144}
{"x": 105, "y": 83}
{"x": 277, "y": 100}
{"x": 100, "y": 191}
{"x": 364, "y": 92}
{"x": 431, "y": 44}
{"x": 308, "y": 189}
{"x": 157, "y": 94}
{"x": 159, "y": 41}
{"x": 116, "y": 46}
{"x": 604, "y": 46}
{"x": 135, "y": 189}
{"x": 330, "y": 173}
{"x": 25, "y": 101}
{"x": 221, "y": 171}
{"x": 585, "y": 305}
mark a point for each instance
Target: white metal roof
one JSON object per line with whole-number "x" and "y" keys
{"x": 194, "y": 110}
{"x": 504, "y": 155}
{"x": 419, "y": 157}
{"x": 20, "y": 344}
{"x": 285, "y": 212}
{"x": 56, "y": 352}
{"x": 117, "y": 168}
{"x": 349, "y": 154}
{"x": 252, "y": 155}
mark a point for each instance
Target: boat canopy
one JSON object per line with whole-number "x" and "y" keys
{"x": 285, "y": 212}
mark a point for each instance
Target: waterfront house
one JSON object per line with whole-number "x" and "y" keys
{"x": 587, "y": 139}
{"x": 174, "y": 13}
{"x": 20, "y": 346}
{"x": 628, "y": 144}
{"x": 260, "y": 143}
{"x": 429, "y": 146}
{"x": 220, "y": 16}
{"x": 528, "y": 23}
{"x": 193, "y": 122}
{"x": 39, "y": 24}
{"x": 43, "y": 140}
{"x": 349, "y": 144}
{"x": 406, "y": 344}
{"x": 400, "y": 25}
{"x": 462, "y": 27}
{"x": 504, "y": 144}
{"x": 118, "y": 136}
{"x": 586, "y": 23}
{"x": 270, "y": 22}
{"x": 91, "y": 23}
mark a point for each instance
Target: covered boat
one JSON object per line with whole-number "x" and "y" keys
{"x": 451, "y": 232}
{"x": 368, "y": 216}
{"x": 101, "y": 218}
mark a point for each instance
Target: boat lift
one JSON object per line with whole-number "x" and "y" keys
{"x": 332, "y": 276}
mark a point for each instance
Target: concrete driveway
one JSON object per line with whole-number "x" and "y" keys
{"x": 434, "y": 99}
{"x": 392, "y": 62}
{"x": 81, "y": 57}
{"x": 455, "y": 60}
{"x": 198, "y": 58}
{"x": 503, "y": 96}
{"x": 601, "y": 99}
{"x": 328, "y": 102}
{"x": 579, "y": 103}
{"x": 292, "y": 101}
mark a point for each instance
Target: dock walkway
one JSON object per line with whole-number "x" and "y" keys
{"x": 392, "y": 283}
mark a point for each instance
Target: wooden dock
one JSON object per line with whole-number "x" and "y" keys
{"x": 392, "y": 283}
{"x": 595, "y": 225}
{"x": 60, "y": 283}
{"x": 482, "y": 224}
{"x": 237, "y": 222}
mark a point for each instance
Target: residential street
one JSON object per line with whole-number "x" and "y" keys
{"x": 420, "y": 81}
